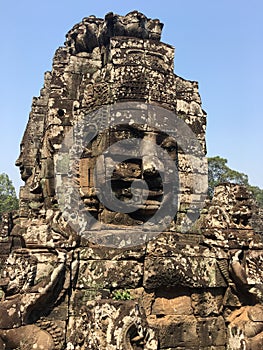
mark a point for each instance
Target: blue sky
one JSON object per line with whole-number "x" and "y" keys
{"x": 218, "y": 43}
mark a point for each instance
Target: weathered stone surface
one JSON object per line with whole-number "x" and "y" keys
{"x": 96, "y": 252}
{"x": 207, "y": 303}
{"x": 243, "y": 330}
{"x": 173, "y": 306}
{"x": 190, "y": 332}
{"x": 108, "y": 324}
{"x": 29, "y": 336}
{"x": 109, "y": 274}
{"x": 255, "y": 313}
{"x": 77, "y": 273}
{"x": 182, "y": 270}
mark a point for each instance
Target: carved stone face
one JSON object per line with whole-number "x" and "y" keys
{"x": 140, "y": 174}
{"x": 25, "y": 170}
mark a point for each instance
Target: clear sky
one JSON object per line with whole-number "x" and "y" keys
{"x": 218, "y": 43}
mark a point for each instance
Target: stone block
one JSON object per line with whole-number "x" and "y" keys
{"x": 180, "y": 305}
{"x": 10, "y": 314}
{"x": 101, "y": 274}
{"x": 207, "y": 302}
{"x": 190, "y": 332}
{"x": 177, "y": 331}
{"x": 211, "y": 331}
{"x": 82, "y": 297}
{"x": 255, "y": 313}
{"x": 97, "y": 252}
{"x": 182, "y": 270}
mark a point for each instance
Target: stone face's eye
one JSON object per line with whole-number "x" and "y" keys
{"x": 171, "y": 148}
{"x": 169, "y": 145}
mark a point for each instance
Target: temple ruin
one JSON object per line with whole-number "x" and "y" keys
{"x": 116, "y": 245}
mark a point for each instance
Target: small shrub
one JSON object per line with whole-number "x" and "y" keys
{"x": 121, "y": 294}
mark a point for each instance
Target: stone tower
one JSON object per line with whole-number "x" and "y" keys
{"x": 115, "y": 128}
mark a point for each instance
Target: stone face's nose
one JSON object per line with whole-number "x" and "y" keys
{"x": 18, "y": 161}
{"x": 151, "y": 164}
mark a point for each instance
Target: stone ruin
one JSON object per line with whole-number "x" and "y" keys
{"x": 194, "y": 283}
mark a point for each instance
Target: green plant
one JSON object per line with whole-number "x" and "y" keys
{"x": 219, "y": 172}
{"x": 121, "y": 294}
{"x": 8, "y": 199}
